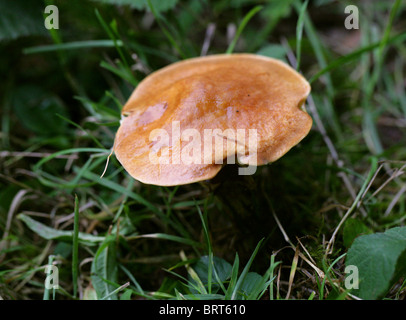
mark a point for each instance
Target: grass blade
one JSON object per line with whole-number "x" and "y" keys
{"x": 74, "y": 45}
{"x": 169, "y": 237}
{"x": 241, "y": 27}
{"x": 112, "y": 36}
{"x": 171, "y": 39}
{"x": 233, "y": 279}
{"x": 118, "y": 188}
{"x": 210, "y": 252}
{"x": 97, "y": 142}
{"x": 113, "y": 293}
{"x": 75, "y": 248}
{"x": 245, "y": 271}
{"x": 299, "y": 33}
{"x": 370, "y": 130}
{"x": 355, "y": 54}
{"x": 327, "y": 275}
{"x": 272, "y": 269}
{"x": 135, "y": 282}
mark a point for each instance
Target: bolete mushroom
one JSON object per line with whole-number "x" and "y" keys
{"x": 174, "y": 117}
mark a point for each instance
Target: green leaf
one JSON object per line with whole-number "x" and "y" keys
{"x": 104, "y": 270}
{"x": 118, "y": 188}
{"x": 354, "y": 55}
{"x": 63, "y": 249}
{"x": 54, "y": 234}
{"x": 126, "y": 295}
{"x": 380, "y": 259}
{"x": 272, "y": 13}
{"x": 233, "y": 279}
{"x": 241, "y": 27}
{"x": 222, "y": 268}
{"x": 352, "y": 229}
{"x": 19, "y": 18}
{"x": 75, "y": 248}
{"x": 299, "y": 33}
{"x": 165, "y": 236}
{"x": 254, "y": 285}
{"x": 251, "y": 283}
{"x": 244, "y": 272}
{"x": 73, "y": 46}
{"x": 273, "y": 51}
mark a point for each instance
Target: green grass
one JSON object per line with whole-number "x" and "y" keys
{"x": 111, "y": 237}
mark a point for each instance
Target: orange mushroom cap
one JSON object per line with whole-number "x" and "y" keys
{"x": 218, "y": 94}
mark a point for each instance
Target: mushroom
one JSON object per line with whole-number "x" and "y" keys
{"x": 184, "y": 122}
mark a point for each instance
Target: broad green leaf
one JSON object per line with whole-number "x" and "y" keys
{"x": 254, "y": 285}
{"x": 104, "y": 270}
{"x": 126, "y": 295}
{"x": 222, "y": 268}
{"x": 54, "y": 234}
{"x": 63, "y": 249}
{"x": 380, "y": 259}
{"x": 273, "y": 51}
{"x": 352, "y": 229}
{"x": 251, "y": 282}
{"x": 19, "y": 18}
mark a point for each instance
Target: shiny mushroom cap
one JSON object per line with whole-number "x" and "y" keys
{"x": 171, "y": 121}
